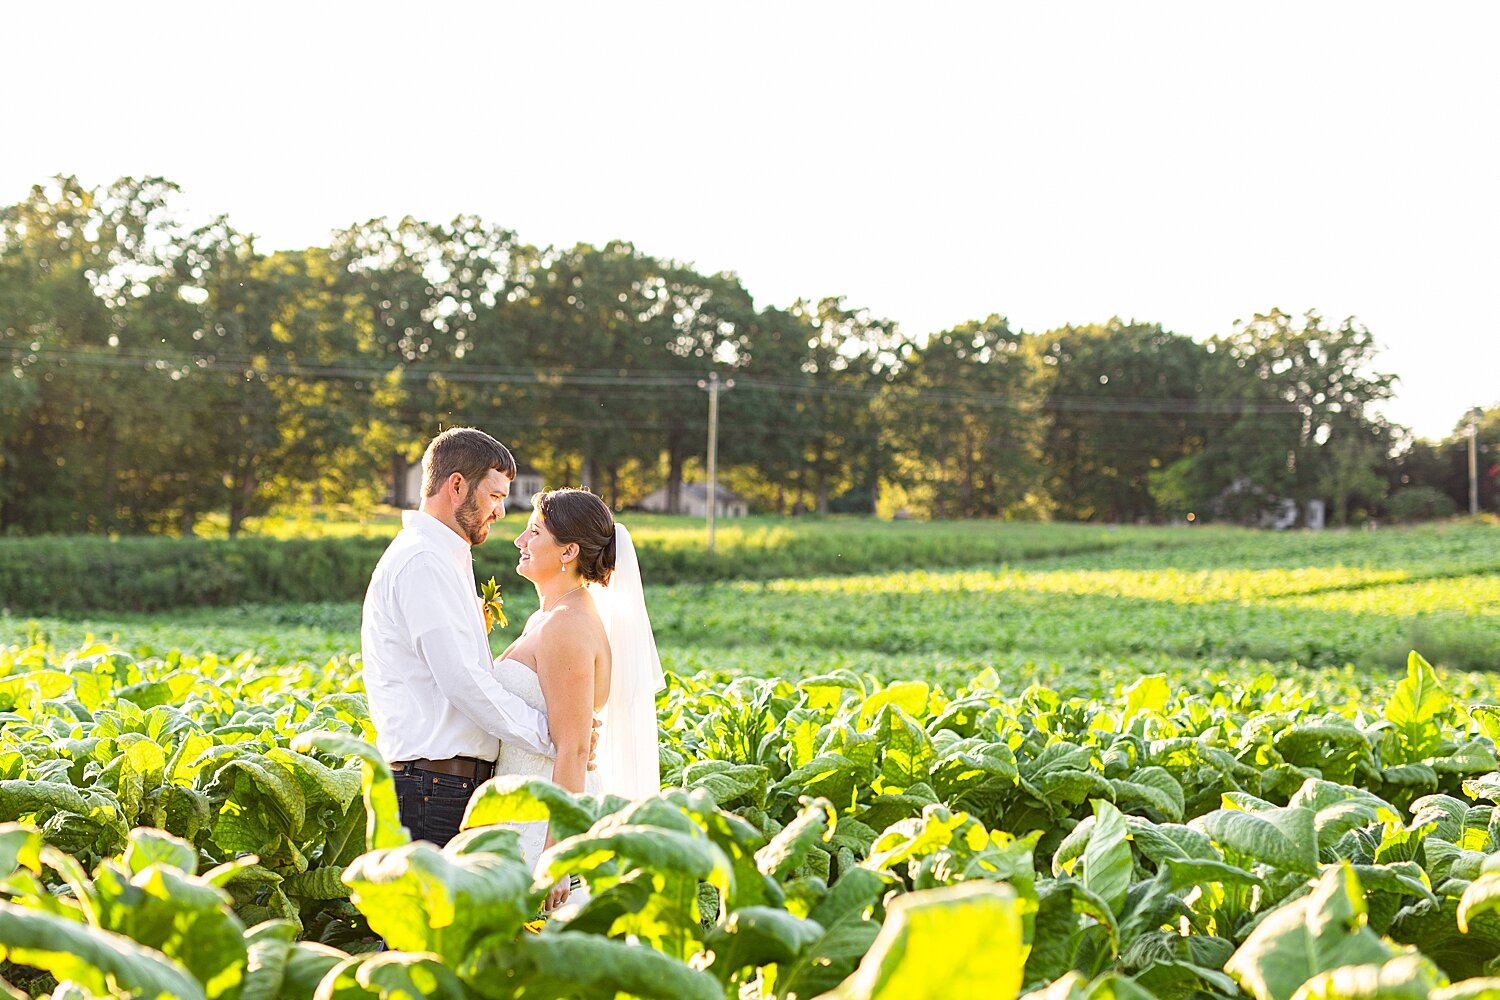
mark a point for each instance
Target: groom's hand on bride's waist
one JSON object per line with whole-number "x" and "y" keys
{"x": 594, "y": 743}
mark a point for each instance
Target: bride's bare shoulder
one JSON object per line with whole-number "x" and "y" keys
{"x": 573, "y": 631}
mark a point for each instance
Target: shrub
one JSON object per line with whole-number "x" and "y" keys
{"x": 62, "y": 574}
{"x": 1419, "y": 503}
{"x": 66, "y": 574}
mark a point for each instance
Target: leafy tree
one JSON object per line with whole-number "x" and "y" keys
{"x": 849, "y": 357}
{"x": 711, "y": 325}
{"x": 79, "y": 271}
{"x": 1287, "y": 391}
{"x": 1350, "y": 470}
{"x": 761, "y": 437}
{"x": 963, "y": 417}
{"x": 432, "y": 293}
{"x": 1123, "y": 402}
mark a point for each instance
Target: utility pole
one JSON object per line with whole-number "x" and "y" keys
{"x": 714, "y": 387}
{"x": 1474, "y": 462}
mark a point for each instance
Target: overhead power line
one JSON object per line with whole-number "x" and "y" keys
{"x": 637, "y": 379}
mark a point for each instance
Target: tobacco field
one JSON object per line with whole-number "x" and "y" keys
{"x": 1156, "y": 772}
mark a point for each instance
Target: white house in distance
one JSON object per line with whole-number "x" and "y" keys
{"x": 527, "y": 482}
{"x": 694, "y": 501}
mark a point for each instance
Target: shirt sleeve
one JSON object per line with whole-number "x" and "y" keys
{"x": 437, "y": 614}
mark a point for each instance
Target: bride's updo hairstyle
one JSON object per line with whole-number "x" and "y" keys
{"x": 577, "y": 516}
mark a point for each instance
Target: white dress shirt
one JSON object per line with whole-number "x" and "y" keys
{"x": 426, "y": 655}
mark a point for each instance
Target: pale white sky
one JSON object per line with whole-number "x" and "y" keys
{"x": 1183, "y": 163}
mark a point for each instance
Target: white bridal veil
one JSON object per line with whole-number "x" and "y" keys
{"x": 628, "y": 761}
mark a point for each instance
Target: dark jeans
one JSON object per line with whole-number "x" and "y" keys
{"x": 432, "y": 804}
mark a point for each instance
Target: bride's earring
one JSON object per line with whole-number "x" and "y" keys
{"x": 564, "y": 565}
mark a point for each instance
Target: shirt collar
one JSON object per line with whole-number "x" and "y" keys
{"x": 443, "y": 536}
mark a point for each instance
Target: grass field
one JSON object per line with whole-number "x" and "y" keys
{"x": 1068, "y": 605}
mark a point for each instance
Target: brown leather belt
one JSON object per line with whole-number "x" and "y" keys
{"x": 458, "y": 767}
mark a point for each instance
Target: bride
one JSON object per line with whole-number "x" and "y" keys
{"x": 587, "y": 650}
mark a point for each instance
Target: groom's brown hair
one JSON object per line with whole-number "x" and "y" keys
{"x": 468, "y": 451}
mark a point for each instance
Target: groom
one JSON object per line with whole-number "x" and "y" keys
{"x": 438, "y": 712}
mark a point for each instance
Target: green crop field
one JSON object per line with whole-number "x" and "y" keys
{"x": 1091, "y": 763}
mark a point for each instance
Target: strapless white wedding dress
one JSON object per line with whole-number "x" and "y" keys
{"x": 520, "y": 680}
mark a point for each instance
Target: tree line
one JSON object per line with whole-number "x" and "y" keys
{"x": 157, "y": 371}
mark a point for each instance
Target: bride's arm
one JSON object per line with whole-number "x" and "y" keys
{"x": 566, "y": 673}
{"x": 565, "y": 669}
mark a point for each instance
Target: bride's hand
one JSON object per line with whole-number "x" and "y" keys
{"x": 594, "y": 743}
{"x": 558, "y": 894}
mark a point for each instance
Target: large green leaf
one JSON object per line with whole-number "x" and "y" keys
{"x": 392, "y": 975}
{"x": 962, "y": 940}
{"x": 1482, "y": 896}
{"x": 20, "y": 847}
{"x": 1160, "y": 842}
{"x": 20, "y": 797}
{"x": 383, "y": 825}
{"x": 1402, "y": 878}
{"x": 1475, "y": 756}
{"x": 1434, "y": 929}
{"x": 1478, "y": 988}
{"x": 327, "y": 791}
{"x": 516, "y": 798}
{"x": 1107, "y": 859}
{"x": 759, "y": 935}
{"x": 1200, "y": 871}
{"x": 1057, "y": 935}
{"x": 789, "y": 849}
{"x": 584, "y": 967}
{"x": 1416, "y": 711}
{"x": 91, "y": 956}
{"x": 1332, "y": 744}
{"x": 909, "y": 696}
{"x": 182, "y": 916}
{"x": 269, "y": 946}
{"x": 1110, "y": 986}
{"x": 828, "y": 961}
{"x": 845, "y": 913}
{"x": 1308, "y": 936}
{"x": 420, "y": 898}
{"x": 1151, "y": 790}
{"x": 261, "y": 801}
{"x": 157, "y": 847}
{"x": 727, "y": 782}
{"x": 1405, "y": 977}
{"x": 1283, "y": 838}
{"x": 1339, "y": 808}
{"x": 969, "y": 766}
{"x": 650, "y": 848}
{"x": 1464, "y": 824}
{"x": 907, "y": 755}
{"x": 831, "y": 775}
{"x": 308, "y": 963}
{"x": 1149, "y": 693}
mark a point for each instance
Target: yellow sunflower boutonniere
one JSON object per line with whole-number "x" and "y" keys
{"x": 494, "y": 605}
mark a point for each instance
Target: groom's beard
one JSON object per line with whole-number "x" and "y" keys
{"x": 468, "y": 519}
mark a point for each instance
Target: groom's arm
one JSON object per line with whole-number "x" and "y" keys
{"x": 438, "y": 617}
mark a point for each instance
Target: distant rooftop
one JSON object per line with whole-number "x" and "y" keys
{"x": 699, "y": 491}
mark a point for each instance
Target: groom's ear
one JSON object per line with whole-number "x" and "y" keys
{"x": 455, "y": 487}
